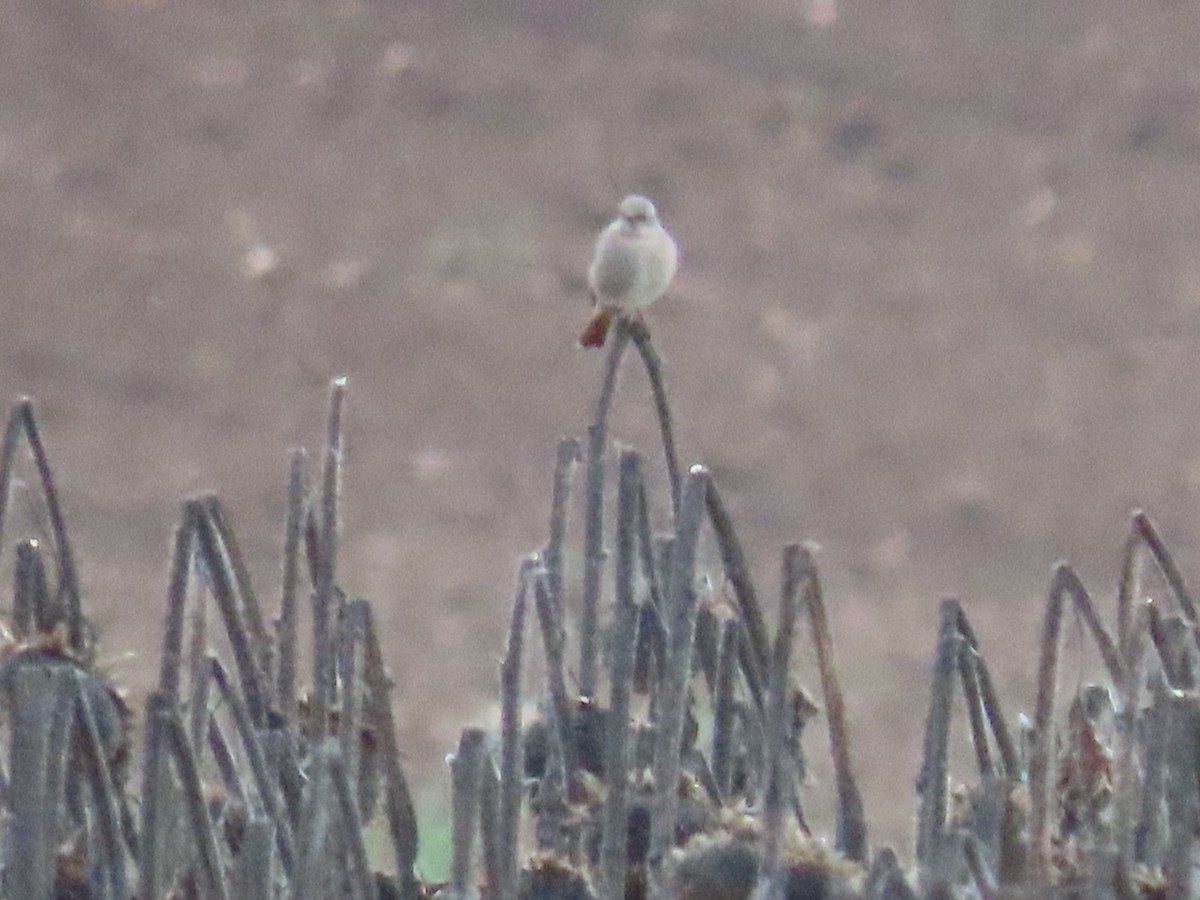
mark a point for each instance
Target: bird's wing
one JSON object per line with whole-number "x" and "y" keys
{"x": 613, "y": 272}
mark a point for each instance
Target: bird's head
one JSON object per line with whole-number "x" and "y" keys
{"x": 637, "y": 212}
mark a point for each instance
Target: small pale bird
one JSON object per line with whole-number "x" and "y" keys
{"x": 634, "y": 261}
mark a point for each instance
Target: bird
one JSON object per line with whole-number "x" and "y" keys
{"x": 633, "y": 264}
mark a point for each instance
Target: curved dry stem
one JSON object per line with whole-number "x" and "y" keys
{"x": 593, "y": 521}
{"x": 755, "y": 652}
{"x": 402, "y": 820}
{"x": 266, "y": 788}
{"x": 654, "y": 372}
{"x": 1064, "y": 583}
{"x": 1166, "y": 563}
{"x": 221, "y": 580}
{"x": 851, "y": 823}
{"x": 22, "y": 421}
{"x": 171, "y": 660}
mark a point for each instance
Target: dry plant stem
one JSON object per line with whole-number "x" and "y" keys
{"x": 30, "y": 597}
{"x": 1166, "y": 564}
{"x": 1183, "y": 793}
{"x": 57, "y": 680}
{"x": 796, "y": 572}
{"x": 155, "y": 791}
{"x": 251, "y": 611}
{"x": 593, "y": 521}
{"x": 350, "y": 831}
{"x": 512, "y": 775}
{"x": 223, "y": 757}
{"x": 1009, "y": 757}
{"x": 351, "y": 647}
{"x": 646, "y": 548}
{"x": 466, "y": 769}
{"x": 851, "y": 823}
{"x": 724, "y": 708}
{"x": 312, "y": 538}
{"x": 324, "y": 677}
{"x": 981, "y": 874}
{"x": 202, "y": 826}
{"x": 285, "y": 631}
{"x": 36, "y": 768}
{"x": 1166, "y": 646}
{"x": 931, "y": 783}
{"x": 279, "y": 747}
{"x": 221, "y": 580}
{"x": 264, "y": 784}
{"x": 1064, "y": 583}
{"x": 552, "y": 642}
{"x": 614, "y": 837}
{"x": 651, "y": 651}
{"x": 104, "y": 794}
{"x": 1127, "y": 777}
{"x": 1129, "y": 588}
{"x": 253, "y": 876}
{"x": 20, "y": 421}
{"x": 654, "y": 373}
{"x": 1069, "y": 582}
{"x": 489, "y": 816}
{"x": 1148, "y": 842}
{"x": 681, "y": 616}
{"x": 198, "y": 672}
{"x": 313, "y": 833}
{"x": 171, "y": 661}
{"x": 755, "y": 653}
{"x": 402, "y": 821}
{"x": 565, "y": 462}
{"x": 1043, "y": 728}
{"x": 974, "y": 703}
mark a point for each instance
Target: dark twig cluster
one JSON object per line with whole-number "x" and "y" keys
{"x": 666, "y": 759}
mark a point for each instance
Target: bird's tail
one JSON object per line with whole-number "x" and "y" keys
{"x": 596, "y": 331}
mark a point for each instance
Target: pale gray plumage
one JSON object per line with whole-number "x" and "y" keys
{"x": 634, "y": 262}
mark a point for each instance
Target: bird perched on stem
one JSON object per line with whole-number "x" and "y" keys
{"x": 634, "y": 261}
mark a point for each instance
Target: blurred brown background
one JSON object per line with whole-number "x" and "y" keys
{"x": 939, "y": 305}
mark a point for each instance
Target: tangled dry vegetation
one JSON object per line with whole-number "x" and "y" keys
{"x": 676, "y": 769}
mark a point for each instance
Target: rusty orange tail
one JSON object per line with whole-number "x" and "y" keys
{"x": 596, "y": 331}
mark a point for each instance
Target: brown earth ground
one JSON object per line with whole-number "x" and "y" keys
{"x": 939, "y": 306}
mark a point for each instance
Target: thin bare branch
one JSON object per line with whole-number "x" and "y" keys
{"x": 780, "y": 774}
{"x": 681, "y": 613}
{"x": 512, "y": 775}
{"x": 614, "y": 838}
{"x": 324, "y": 676}
{"x": 931, "y": 783}
{"x": 756, "y": 652}
{"x": 565, "y": 463}
{"x": 285, "y": 632}
{"x": 466, "y": 769}
{"x": 594, "y": 554}
{"x": 654, "y": 372}
{"x": 851, "y": 823}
